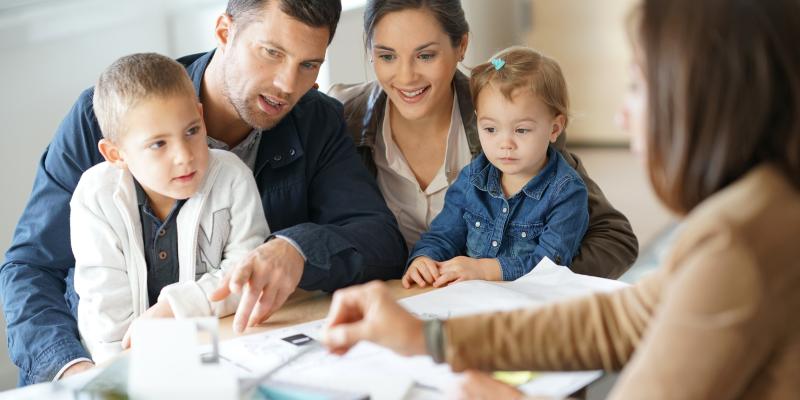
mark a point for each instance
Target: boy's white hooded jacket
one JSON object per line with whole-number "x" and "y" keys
{"x": 217, "y": 226}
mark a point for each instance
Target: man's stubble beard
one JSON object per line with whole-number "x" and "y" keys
{"x": 245, "y": 113}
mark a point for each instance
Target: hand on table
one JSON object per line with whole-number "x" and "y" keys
{"x": 265, "y": 278}
{"x": 161, "y": 309}
{"x": 478, "y": 385}
{"x": 77, "y": 368}
{"x": 462, "y": 268}
{"x": 422, "y": 271}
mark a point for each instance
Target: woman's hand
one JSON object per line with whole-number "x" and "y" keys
{"x": 368, "y": 312}
{"x": 477, "y": 385}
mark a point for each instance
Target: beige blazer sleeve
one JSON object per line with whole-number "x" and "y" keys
{"x": 699, "y": 331}
{"x": 712, "y": 333}
{"x": 596, "y": 332}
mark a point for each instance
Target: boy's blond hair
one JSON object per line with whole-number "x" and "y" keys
{"x": 521, "y": 67}
{"x": 132, "y": 79}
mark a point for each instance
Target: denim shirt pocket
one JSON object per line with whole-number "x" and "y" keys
{"x": 523, "y": 238}
{"x": 479, "y": 233}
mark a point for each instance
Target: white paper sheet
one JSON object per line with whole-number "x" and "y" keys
{"x": 386, "y": 375}
{"x": 547, "y": 282}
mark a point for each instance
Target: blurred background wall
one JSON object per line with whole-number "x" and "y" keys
{"x": 53, "y": 49}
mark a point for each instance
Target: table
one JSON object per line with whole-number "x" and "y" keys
{"x": 304, "y": 306}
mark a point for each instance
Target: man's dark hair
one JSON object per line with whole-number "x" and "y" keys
{"x": 316, "y": 13}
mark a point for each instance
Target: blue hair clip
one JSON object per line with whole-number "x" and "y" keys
{"x": 498, "y": 63}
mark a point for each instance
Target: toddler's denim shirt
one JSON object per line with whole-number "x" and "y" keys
{"x": 548, "y": 217}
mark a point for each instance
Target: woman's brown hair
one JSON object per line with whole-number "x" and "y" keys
{"x": 723, "y": 83}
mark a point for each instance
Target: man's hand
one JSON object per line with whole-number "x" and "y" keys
{"x": 477, "y": 385}
{"x": 465, "y": 268}
{"x": 161, "y": 309}
{"x": 422, "y": 271}
{"x": 265, "y": 278}
{"x": 368, "y": 312}
{"x": 77, "y": 368}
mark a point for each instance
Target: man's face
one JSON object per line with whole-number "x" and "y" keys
{"x": 269, "y": 64}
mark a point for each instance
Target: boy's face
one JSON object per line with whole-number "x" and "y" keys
{"x": 269, "y": 64}
{"x": 163, "y": 145}
{"x": 515, "y": 134}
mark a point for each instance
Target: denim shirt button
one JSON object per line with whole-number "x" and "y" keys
{"x": 277, "y": 157}
{"x": 494, "y": 243}
{"x": 477, "y": 224}
{"x": 505, "y": 210}
{"x": 524, "y": 234}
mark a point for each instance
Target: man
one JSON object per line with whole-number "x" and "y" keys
{"x": 330, "y": 225}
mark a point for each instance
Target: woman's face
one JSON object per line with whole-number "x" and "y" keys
{"x": 632, "y": 116}
{"x": 415, "y": 61}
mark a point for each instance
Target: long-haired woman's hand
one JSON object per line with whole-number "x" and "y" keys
{"x": 368, "y": 312}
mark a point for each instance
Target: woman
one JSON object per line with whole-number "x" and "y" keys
{"x": 415, "y": 126}
{"x": 714, "y": 108}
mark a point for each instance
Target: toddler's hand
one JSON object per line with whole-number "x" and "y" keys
{"x": 161, "y": 309}
{"x": 462, "y": 268}
{"x": 422, "y": 271}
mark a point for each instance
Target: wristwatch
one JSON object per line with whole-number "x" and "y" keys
{"x": 434, "y": 339}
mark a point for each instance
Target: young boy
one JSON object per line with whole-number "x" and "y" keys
{"x": 155, "y": 226}
{"x": 519, "y": 201}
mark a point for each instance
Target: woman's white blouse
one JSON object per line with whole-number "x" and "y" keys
{"x": 415, "y": 208}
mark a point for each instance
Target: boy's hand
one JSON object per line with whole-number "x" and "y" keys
{"x": 422, "y": 271}
{"x": 161, "y": 309}
{"x": 462, "y": 268}
{"x": 77, "y": 368}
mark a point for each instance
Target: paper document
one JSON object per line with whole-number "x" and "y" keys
{"x": 545, "y": 283}
{"x": 386, "y": 375}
